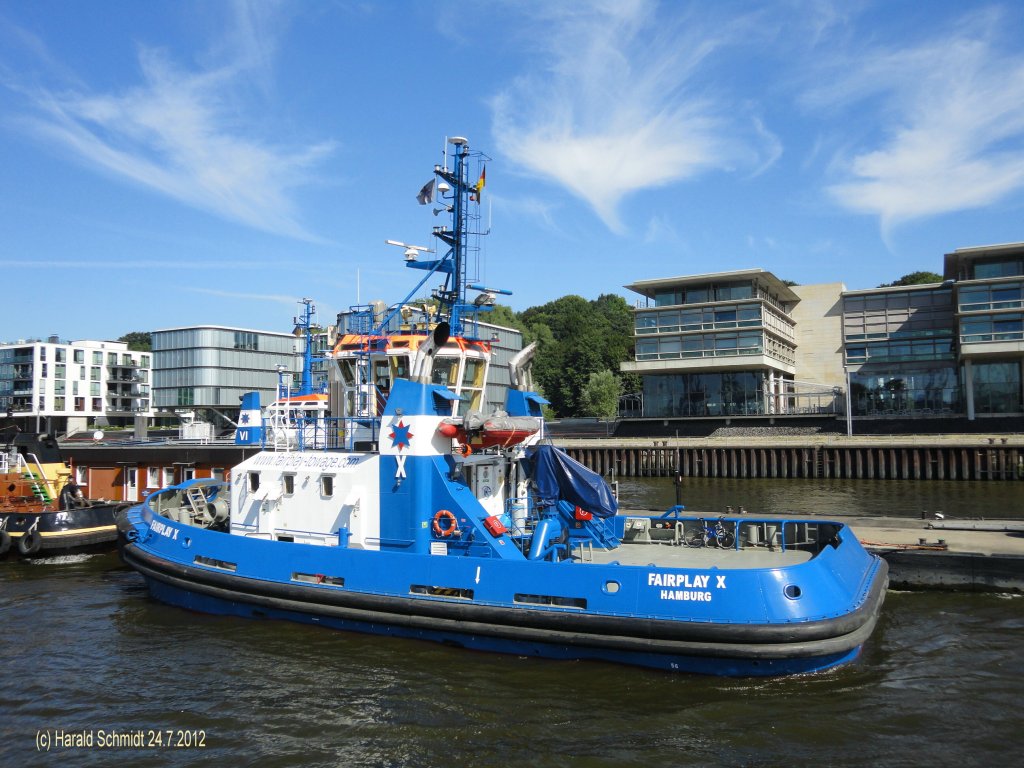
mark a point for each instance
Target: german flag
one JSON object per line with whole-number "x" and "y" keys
{"x": 479, "y": 187}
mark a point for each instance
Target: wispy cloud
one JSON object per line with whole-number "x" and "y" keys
{"x": 276, "y": 298}
{"x": 615, "y": 108}
{"x": 136, "y": 264}
{"x": 660, "y": 229}
{"x": 529, "y": 207}
{"x": 953, "y": 115}
{"x": 181, "y": 132}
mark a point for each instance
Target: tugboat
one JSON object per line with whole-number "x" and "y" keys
{"x": 42, "y": 510}
{"x": 414, "y": 515}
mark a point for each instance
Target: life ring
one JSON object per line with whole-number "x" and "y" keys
{"x": 5, "y": 542}
{"x": 30, "y": 542}
{"x": 452, "y": 527}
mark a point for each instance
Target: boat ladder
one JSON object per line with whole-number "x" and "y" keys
{"x": 196, "y": 500}
{"x": 38, "y": 487}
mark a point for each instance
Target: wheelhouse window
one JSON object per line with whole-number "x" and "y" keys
{"x": 445, "y": 371}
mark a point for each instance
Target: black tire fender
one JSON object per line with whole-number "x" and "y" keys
{"x": 30, "y": 543}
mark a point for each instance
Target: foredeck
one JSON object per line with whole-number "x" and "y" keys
{"x": 673, "y": 556}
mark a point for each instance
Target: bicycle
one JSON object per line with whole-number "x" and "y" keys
{"x": 718, "y": 533}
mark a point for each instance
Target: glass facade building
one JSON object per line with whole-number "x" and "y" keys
{"x": 721, "y": 344}
{"x": 989, "y": 284}
{"x": 212, "y": 366}
{"x": 900, "y": 350}
{"x": 742, "y": 343}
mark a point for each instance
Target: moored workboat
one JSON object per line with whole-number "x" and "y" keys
{"x": 42, "y": 510}
{"x": 420, "y": 517}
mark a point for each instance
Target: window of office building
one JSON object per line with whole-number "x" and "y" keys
{"x": 997, "y": 387}
{"x": 986, "y": 328}
{"x": 246, "y": 340}
{"x": 975, "y": 298}
{"x": 705, "y": 394}
{"x": 704, "y": 294}
{"x": 1003, "y": 267}
{"x": 921, "y": 391}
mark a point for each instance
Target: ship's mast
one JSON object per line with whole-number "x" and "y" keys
{"x": 455, "y": 191}
{"x": 305, "y": 322}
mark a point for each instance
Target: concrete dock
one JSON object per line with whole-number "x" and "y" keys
{"x": 967, "y": 555}
{"x": 984, "y": 556}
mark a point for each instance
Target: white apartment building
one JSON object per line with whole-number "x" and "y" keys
{"x": 71, "y": 386}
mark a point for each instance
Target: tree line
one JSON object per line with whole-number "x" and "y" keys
{"x": 580, "y": 344}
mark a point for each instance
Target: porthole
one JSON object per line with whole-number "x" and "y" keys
{"x": 792, "y": 591}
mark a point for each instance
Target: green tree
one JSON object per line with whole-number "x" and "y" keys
{"x": 600, "y": 396}
{"x": 138, "y": 341}
{"x": 915, "y": 278}
{"x": 506, "y": 317}
{"x": 575, "y": 338}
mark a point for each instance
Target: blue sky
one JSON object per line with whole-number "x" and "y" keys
{"x": 182, "y": 163}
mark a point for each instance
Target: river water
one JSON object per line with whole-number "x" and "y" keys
{"x": 86, "y": 651}
{"x": 891, "y": 498}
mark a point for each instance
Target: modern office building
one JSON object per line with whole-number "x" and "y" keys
{"x": 951, "y": 349}
{"x": 744, "y": 343}
{"x": 900, "y": 351}
{"x": 71, "y": 386}
{"x": 726, "y": 344}
{"x": 206, "y": 369}
{"x": 989, "y": 290}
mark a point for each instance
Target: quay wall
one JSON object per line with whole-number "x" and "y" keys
{"x": 929, "y": 457}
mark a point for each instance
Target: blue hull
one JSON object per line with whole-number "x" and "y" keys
{"x": 202, "y": 603}
{"x": 551, "y": 610}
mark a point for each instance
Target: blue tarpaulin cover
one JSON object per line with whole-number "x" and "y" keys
{"x": 558, "y": 476}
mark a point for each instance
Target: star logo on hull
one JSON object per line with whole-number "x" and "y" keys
{"x": 400, "y": 436}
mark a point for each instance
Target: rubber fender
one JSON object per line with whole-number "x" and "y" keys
{"x": 5, "y": 542}
{"x": 30, "y": 543}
